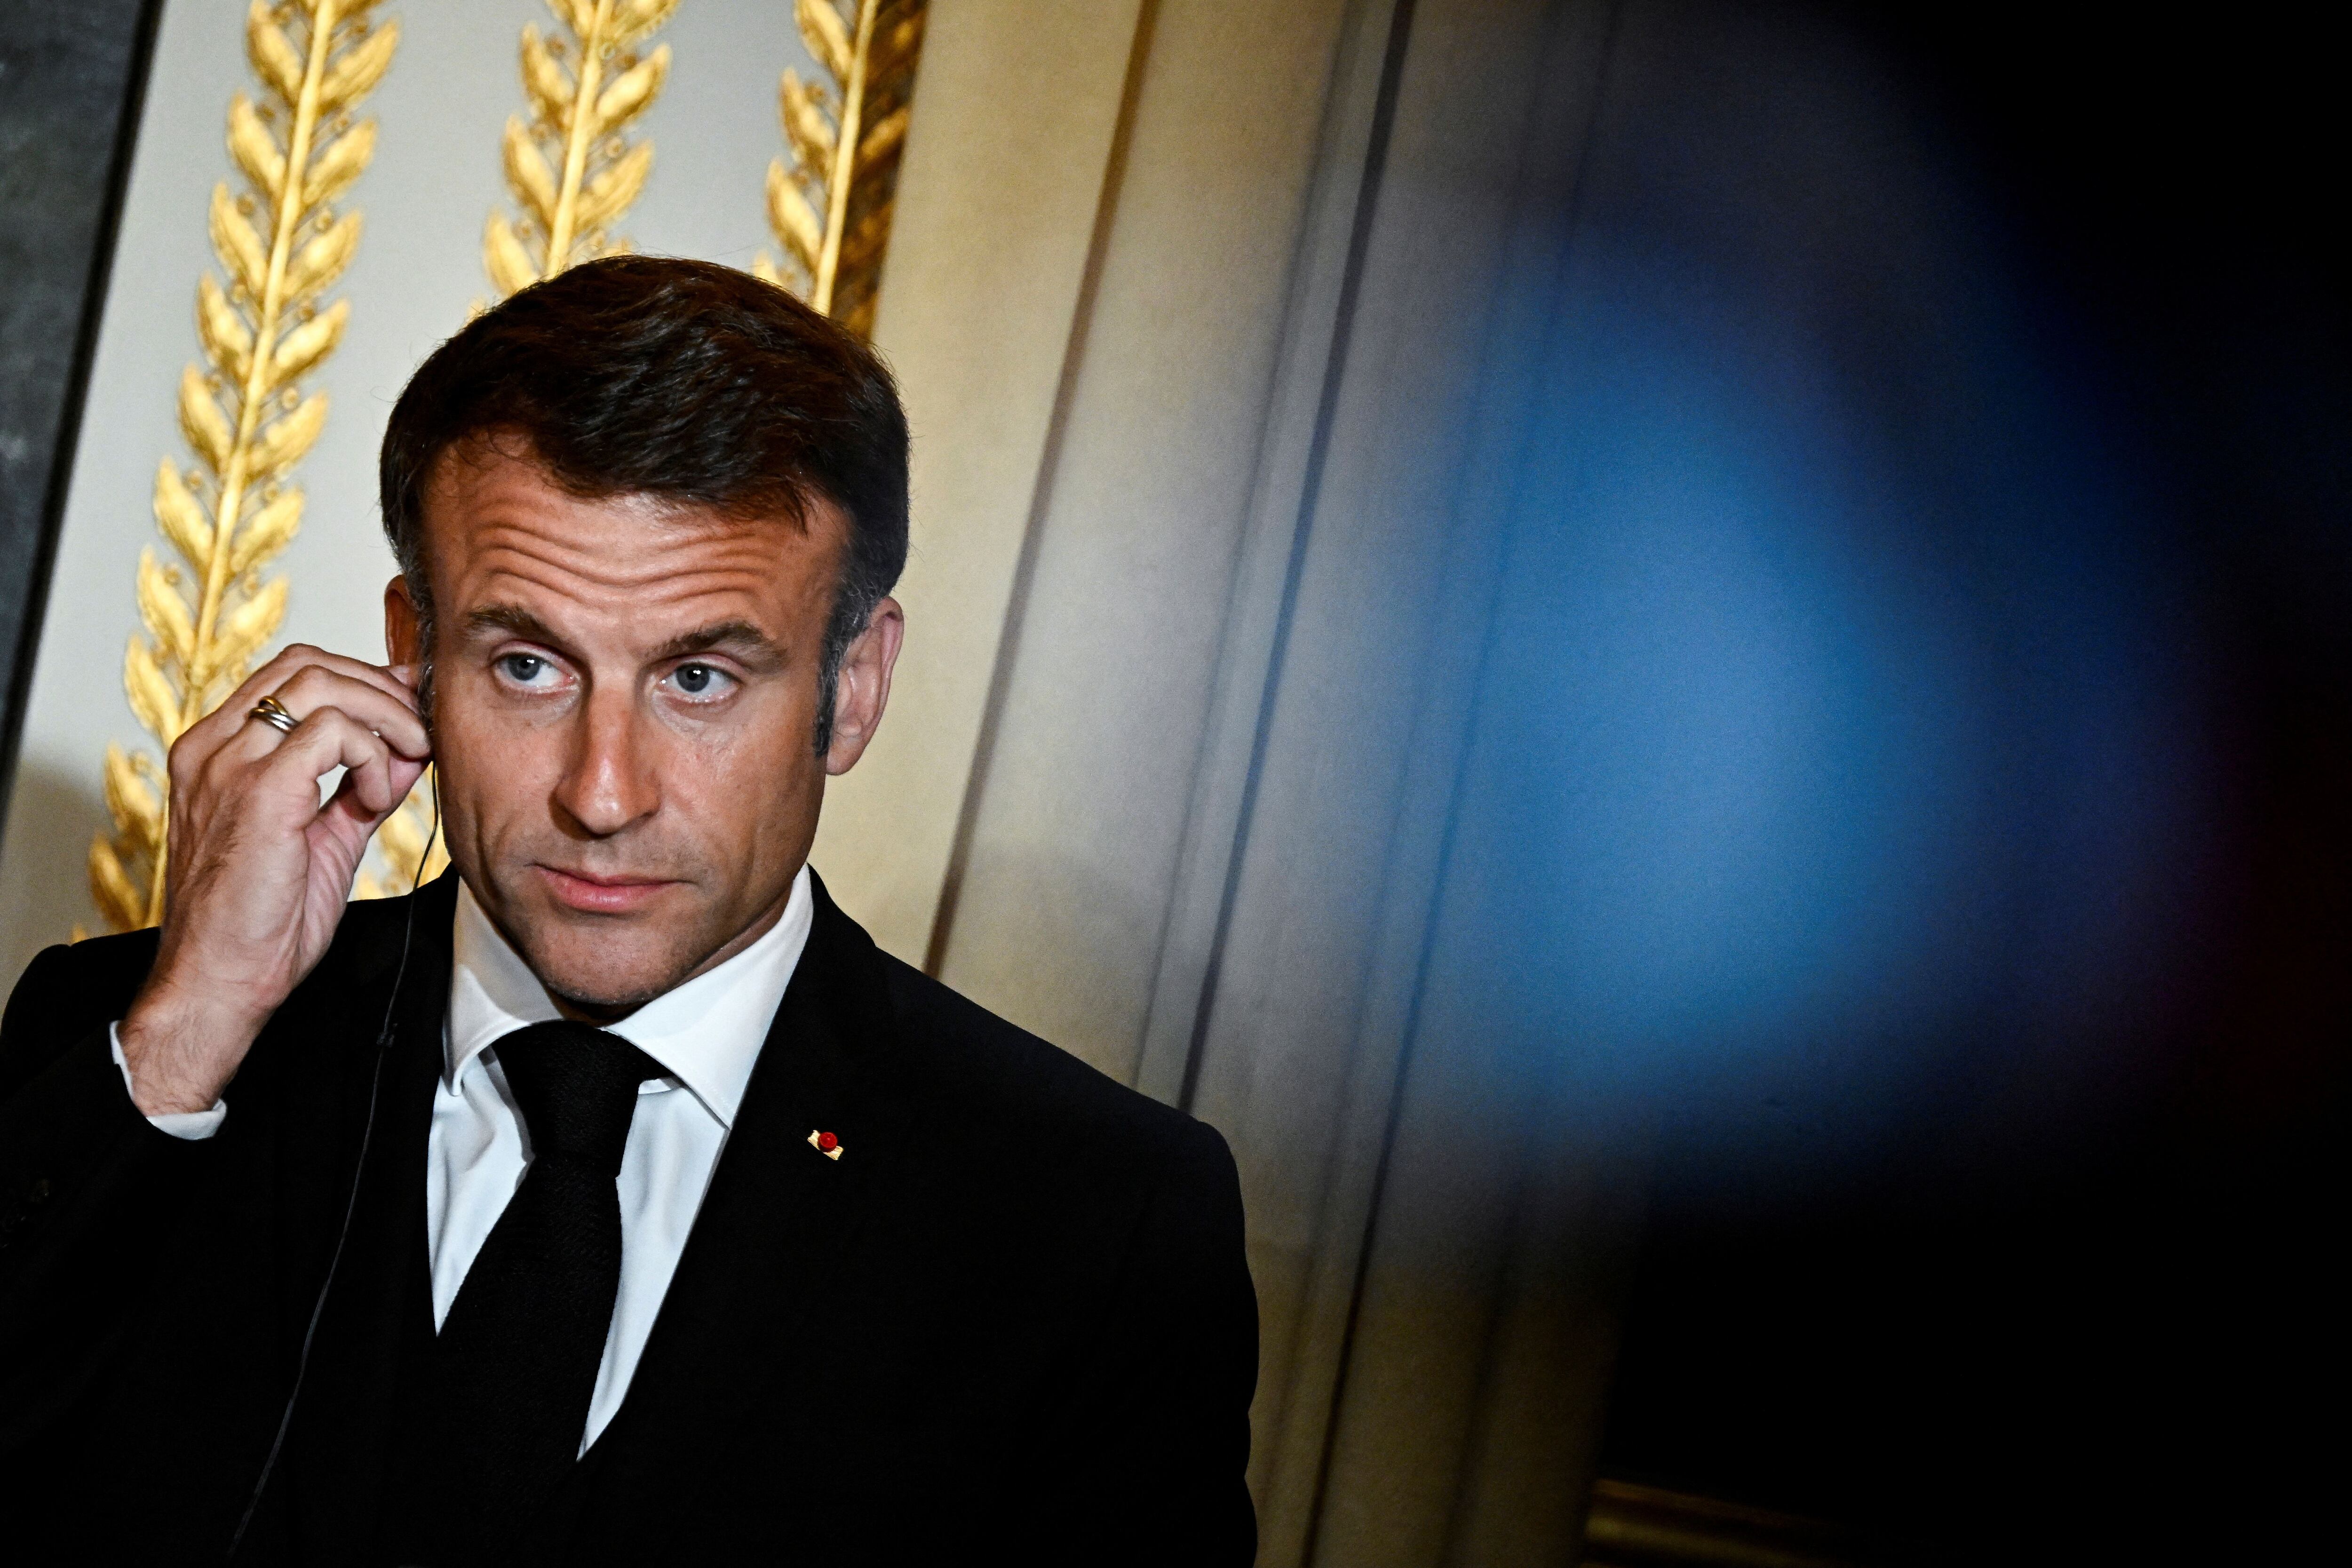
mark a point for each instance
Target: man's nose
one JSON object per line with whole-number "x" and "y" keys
{"x": 612, "y": 781}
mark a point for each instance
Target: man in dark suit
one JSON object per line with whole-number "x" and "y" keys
{"x": 612, "y": 1198}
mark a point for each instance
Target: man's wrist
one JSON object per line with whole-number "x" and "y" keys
{"x": 189, "y": 1126}
{"x": 182, "y": 1051}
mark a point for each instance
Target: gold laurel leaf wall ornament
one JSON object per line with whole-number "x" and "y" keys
{"x": 206, "y": 608}
{"x": 830, "y": 207}
{"x": 570, "y": 167}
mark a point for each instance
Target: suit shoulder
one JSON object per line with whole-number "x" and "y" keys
{"x": 372, "y": 938}
{"x": 65, "y": 992}
{"x": 373, "y": 931}
{"x": 91, "y": 980}
{"x": 998, "y": 1072}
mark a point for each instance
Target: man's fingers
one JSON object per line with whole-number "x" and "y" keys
{"x": 300, "y": 656}
{"x": 214, "y": 729}
{"x": 208, "y": 734}
{"x": 315, "y": 687}
{"x": 345, "y": 811}
{"x": 282, "y": 668}
{"x": 331, "y": 737}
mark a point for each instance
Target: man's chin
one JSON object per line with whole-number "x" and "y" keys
{"x": 606, "y": 993}
{"x": 602, "y": 965}
{"x": 605, "y": 969}
{"x": 600, "y": 1009}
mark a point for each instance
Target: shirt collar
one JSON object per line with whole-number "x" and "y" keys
{"x": 707, "y": 1032}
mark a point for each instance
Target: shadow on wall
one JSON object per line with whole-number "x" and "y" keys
{"x": 1084, "y": 998}
{"x": 55, "y": 813}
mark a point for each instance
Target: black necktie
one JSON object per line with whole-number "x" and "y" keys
{"x": 515, "y": 1363}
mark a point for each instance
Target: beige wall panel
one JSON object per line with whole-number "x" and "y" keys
{"x": 1015, "y": 112}
{"x": 1469, "y": 1422}
{"x": 1317, "y": 985}
{"x": 1288, "y": 469}
{"x": 1058, "y": 917}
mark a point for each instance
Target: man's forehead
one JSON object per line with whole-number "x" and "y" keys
{"x": 489, "y": 480}
{"x": 480, "y": 506}
{"x": 501, "y": 531}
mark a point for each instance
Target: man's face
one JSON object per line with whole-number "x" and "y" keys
{"x": 624, "y": 705}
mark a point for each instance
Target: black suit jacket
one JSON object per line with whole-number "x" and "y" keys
{"x": 1013, "y": 1319}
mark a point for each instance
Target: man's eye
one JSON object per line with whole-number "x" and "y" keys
{"x": 699, "y": 679}
{"x": 522, "y": 669}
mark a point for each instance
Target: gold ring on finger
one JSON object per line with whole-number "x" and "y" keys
{"x": 275, "y": 714}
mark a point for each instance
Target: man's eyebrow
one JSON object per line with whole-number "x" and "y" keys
{"x": 739, "y": 638}
{"x": 512, "y": 619}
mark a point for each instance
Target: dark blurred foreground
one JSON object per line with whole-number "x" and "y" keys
{"x": 1929, "y": 797}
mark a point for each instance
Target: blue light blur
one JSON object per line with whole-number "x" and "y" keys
{"x": 1838, "y": 772}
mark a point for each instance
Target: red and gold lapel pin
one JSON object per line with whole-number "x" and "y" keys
{"x": 827, "y": 1145}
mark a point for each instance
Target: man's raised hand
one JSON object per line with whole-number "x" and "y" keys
{"x": 259, "y": 870}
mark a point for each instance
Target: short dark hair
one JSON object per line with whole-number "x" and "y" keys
{"x": 685, "y": 380}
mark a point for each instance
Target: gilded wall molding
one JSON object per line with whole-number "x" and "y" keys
{"x": 830, "y": 207}
{"x": 263, "y": 327}
{"x": 572, "y": 170}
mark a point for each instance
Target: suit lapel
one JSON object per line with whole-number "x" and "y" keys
{"x": 758, "y": 1297}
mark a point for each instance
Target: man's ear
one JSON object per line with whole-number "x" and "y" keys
{"x": 863, "y": 688}
{"x": 401, "y": 625}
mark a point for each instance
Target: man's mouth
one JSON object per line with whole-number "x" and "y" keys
{"x": 595, "y": 894}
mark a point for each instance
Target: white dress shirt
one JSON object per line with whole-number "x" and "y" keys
{"x": 707, "y": 1032}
